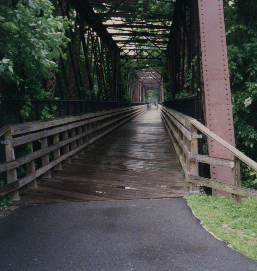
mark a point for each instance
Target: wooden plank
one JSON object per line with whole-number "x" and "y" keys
{"x": 30, "y": 168}
{"x": 182, "y": 128}
{"x": 66, "y": 147}
{"x": 10, "y": 156}
{"x": 172, "y": 138}
{"x": 236, "y": 180}
{"x": 234, "y": 189}
{"x": 45, "y": 124}
{"x": 45, "y": 158}
{"x": 47, "y": 166}
{"x": 183, "y": 119}
{"x": 192, "y": 166}
{"x": 36, "y": 136}
{"x": 4, "y": 130}
{"x": 225, "y": 144}
{"x": 57, "y": 151}
{"x": 212, "y": 160}
{"x": 45, "y": 150}
{"x": 177, "y": 138}
{"x": 112, "y": 166}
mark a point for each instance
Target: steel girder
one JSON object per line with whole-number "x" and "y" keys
{"x": 182, "y": 50}
{"x": 215, "y": 83}
{"x": 197, "y": 57}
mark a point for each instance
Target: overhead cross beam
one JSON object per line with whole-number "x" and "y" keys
{"x": 149, "y": 26}
{"x": 131, "y": 2}
{"x": 132, "y": 16}
{"x": 87, "y": 13}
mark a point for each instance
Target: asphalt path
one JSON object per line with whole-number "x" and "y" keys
{"x": 115, "y": 235}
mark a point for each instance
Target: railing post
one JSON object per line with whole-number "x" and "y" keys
{"x": 45, "y": 158}
{"x": 74, "y": 143}
{"x": 80, "y": 141}
{"x": 236, "y": 180}
{"x": 30, "y": 168}
{"x": 192, "y": 166}
{"x": 10, "y": 156}
{"x": 66, "y": 148}
{"x": 57, "y": 152}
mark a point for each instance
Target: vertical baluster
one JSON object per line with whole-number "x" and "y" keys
{"x": 236, "y": 180}
{"x": 80, "y": 141}
{"x": 66, "y": 148}
{"x": 89, "y": 128}
{"x": 74, "y": 143}
{"x": 10, "y": 156}
{"x": 57, "y": 152}
{"x": 45, "y": 158}
{"x": 30, "y": 168}
{"x": 193, "y": 165}
{"x": 85, "y": 138}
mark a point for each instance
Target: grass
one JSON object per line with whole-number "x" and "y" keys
{"x": 234, "y": 224}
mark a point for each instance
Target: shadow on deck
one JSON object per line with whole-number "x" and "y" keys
{"x": 136, "y": 161}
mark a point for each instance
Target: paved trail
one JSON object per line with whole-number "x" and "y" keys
{"x": 115, "y": 235}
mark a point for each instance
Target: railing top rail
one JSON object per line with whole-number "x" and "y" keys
{"x": 225, "y": 144}
{"x": 5, "y": 129}
{"x": 185, "y": 120}
{"x": 22, "y": 128}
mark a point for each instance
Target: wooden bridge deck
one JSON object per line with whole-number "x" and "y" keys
{"x": 137, "y": 161}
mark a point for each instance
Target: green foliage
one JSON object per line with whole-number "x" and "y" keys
{"x": 24, "y": 112}
{"x": 152, "y": 96}
{"x": 34, "y": 38}
{"x": 235, "y": 224}
{"x": 241, "y": 26}
{"x": 46, "y": 112}
{"x": 249, "y": 176}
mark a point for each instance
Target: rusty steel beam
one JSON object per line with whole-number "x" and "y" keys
{"x": 132, "y": 15}
{"x": 216, "y": 85}
{"x": 131, "y": 2}
{"x": 87, "y": 74}
{"x": 142, "y": 41}
{"x": 87, "y": 13}
{"x": 140, "y": 34}
{"x": 149, "y": 26}
{"x": 73, "y": 82}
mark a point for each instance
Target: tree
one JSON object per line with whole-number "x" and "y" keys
{"x": 241, "y": 26}
{"x": 33, "y": 39}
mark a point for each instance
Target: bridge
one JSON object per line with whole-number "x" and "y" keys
{"x": 141, "y": 110}
{"x": 106, "y": 36}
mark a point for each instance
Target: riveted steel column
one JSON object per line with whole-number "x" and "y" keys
{"x": 216, "y": 86}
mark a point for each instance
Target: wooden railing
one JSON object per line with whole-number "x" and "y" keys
{"x": 51, "y": 143}
{"x": 183, "y": 131}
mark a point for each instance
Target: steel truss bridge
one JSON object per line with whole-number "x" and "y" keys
{"x": 193, "y": 39}
{"x": 108, "y": 35}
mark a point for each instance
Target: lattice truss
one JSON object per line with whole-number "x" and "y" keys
{"x": 91, "y": 68}
{"x": 184, "y": 50}
{"x": 105, "y": 35}
{"x": 142, "y": 81}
